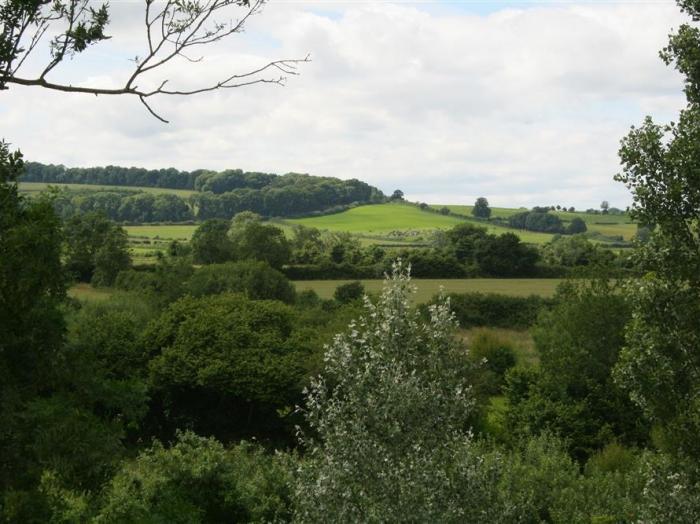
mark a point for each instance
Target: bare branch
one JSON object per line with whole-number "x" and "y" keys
{"x": 183, "y": 24}
{"x": 150, "y": 110}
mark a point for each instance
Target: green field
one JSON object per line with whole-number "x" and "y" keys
{"x": 87, "y": 293}
{"x": 427, "y": 288}
{"x": 38, "y": 187}
{"x": 608, "y": 225}
{"x": 380, "y": 219}
{"x": 169, "y": 231}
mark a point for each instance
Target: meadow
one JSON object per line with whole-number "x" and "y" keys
{"x": 428, "y": 288}
{"x": 607, "y": 225}
{"x": 379, "y": 219}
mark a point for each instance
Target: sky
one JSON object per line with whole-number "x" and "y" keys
{"x": 524, "y": 103}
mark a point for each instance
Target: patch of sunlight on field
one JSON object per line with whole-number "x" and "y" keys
{"x": 87, "y": 293}
{"x": 427, "y": 288}
{"x": 171, "y": 232}
{"x": 520, "y": 340}
{"x": 379, "y": 218}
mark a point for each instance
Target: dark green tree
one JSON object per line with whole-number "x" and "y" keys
{"x": 256, "y": 279}
{"x": 32, "y": 286}
{"x": 210, "y": 242}
{"x": 481, "y": 208}
{"x": 573, "y": 394}
{"x": 226, "y": 365}
{"x": 96, "y": 248}
{"x": 576, "y": 226}
{"x": 349, "y": 292}
{"x": 660, "y": 365}
{"x": 253, "y": 240}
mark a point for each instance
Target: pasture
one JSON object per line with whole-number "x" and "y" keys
{"x": 163, "y": 232}
{"x": 427, "y": 288}
{"x": 607, "y": 225}
{"x": 379, "y": 219}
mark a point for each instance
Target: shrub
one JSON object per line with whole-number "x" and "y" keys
{"x": 198, "y": 480}
{"x": 497, "y": 352}
{"x": 349, "y": 292}
{"x": 255, "y": 279}
{"x": 490, "y": 309}
{"x": 388, "y": 417}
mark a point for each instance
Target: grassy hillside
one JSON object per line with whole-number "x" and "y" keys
{"x": 38, "y": 187}
{"x": 380, "y": 219}
{"x": 608, "y": 225}
{"x": 387, "y": 220}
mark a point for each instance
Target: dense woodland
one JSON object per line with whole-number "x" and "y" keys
{"x": 206, "y": 389}
{"x": 218, "y": 195}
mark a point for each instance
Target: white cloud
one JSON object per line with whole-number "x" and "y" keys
{"x": 523, "y": 106}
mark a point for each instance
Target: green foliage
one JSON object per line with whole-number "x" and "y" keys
{"x": 481, "y": 208}
{"x": 492, "y": 255}
{"x": 210, "y": 243}
{"x": 536, "y": 220}
{"x": 659, "y": 365}
{"x": 96, "y": 248}
{"x": 574, "y": 395}
{"x": 671, "y": 490}
{"x": 250, "y": 239}
{"x": 219, "y": 195}
{"x": 373, "y": 453}
{"x": 162, "y": 285}
{"x": 32, "y": 285}
{"x": 225, "y": 364}
{"x": 496, "y": 310}
{"x": 497, "y": 354}
{"x": 197, "y": 480}
{"x": 576, "y": 226}
{"x": 349, "y": 292}
{"x": 575, "y": 250}
{"x": 257, "y": 280}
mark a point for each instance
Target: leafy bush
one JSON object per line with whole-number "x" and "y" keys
{"x": 373, "y": 452}
{"x": 257, "y": 280}
{"x": 349, "y": 292}
{"x": 493, "y": 310}
{"x": 227, "y": 366}
{"x": 497, "y": 352}
{"x": 197, "y": 480}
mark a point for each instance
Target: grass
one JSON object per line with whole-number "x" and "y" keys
{"x": 521, "y": 341}
{"x": 87, "y": 293}
{"x": 170, "y": 232}
{"x": 380, "y": 219}
{"x": 607, "y": 225}
{"x": 38, "y": 187}
{"x": 427, "y": 288}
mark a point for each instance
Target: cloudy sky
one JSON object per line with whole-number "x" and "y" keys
{"x": 521, "y": 102}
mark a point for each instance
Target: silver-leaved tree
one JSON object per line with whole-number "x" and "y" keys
{"x": 389, "y": 438}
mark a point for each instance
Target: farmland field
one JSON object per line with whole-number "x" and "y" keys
{"x": 427, "y": 288}
{"x": 379, "y": 218}
{"x": 38, "y": 187}
{"x": 608, "y": 225}
{"x": 168, "y": 231}
{"x": 87, "y": 293}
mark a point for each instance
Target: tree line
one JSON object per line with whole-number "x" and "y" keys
{"x": 220, "y": 195}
